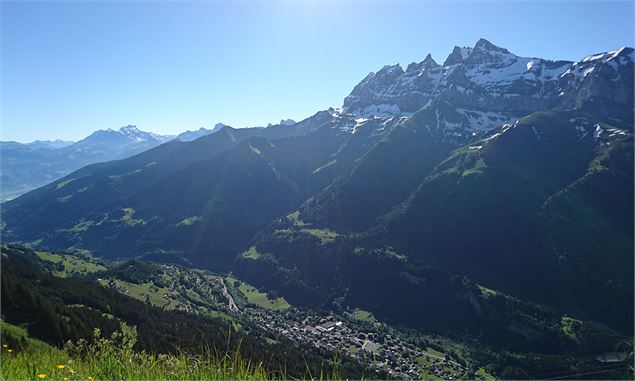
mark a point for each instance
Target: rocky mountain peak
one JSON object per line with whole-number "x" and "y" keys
{"x": 218, "y": 127}
{"x": 390, "y": 71}
{"x": 484, "y": 45}
{"x": 484, "y": 52}
{"x": 487, "y": 85}
{"x": 283, "y": 122}
{"x": 427, "y": 63}
{"x": 129, "y": 129}
{"x": 458, "y": 55}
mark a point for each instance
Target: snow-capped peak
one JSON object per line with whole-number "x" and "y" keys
{"x": 484, "y": 45}
{"x": 458, "y": 55}
{"x": 132, "y": 132}
{"x": 129, "y": 130}
{"x": 608, "y": 63}
{"x": 484, "y": 52}
{"x": 489, "y": 84}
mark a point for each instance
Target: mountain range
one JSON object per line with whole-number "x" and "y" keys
{"x": 487, "y": 172}
{"x": 26, "y": 166}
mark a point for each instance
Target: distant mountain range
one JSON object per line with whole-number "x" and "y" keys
{"x": 26, "y": 166}
{"x": 487, "y": 172}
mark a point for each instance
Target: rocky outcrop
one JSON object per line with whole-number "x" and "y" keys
{"x": 489, "y": 84}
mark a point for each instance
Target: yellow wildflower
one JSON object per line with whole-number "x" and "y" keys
{"x": 41, "y": 376}
{"x": 61, "y": 366}
{"x": 9, "y": 350}
{"x": 65, "y": 378}
{"x": 5, "y": 345}
{"x": 90, "y": 378}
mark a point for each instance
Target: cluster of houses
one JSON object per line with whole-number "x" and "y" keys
{"x": 384, "y": 353}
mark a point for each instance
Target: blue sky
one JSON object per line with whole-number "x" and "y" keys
{"x": 69, "y": 68}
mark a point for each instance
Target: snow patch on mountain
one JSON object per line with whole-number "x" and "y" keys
{"x": 480, "y": 121}
{"x": 381, "y": 110}
{"x": 597, "y": 132}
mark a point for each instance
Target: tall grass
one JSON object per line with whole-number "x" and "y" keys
{"x": 113, "y": 358}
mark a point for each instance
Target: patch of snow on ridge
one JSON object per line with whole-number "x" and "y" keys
{"x": 532, "y": 63}
{"x": 615, "y": 131}
{"x": 597, "y": 132}
{"x": 487, "y": 139}
{"x": 605, "y": 57}
{"x": 381, "y": 110}
{"x": 594, "y": 57}
{"x": 132, "y": 132}
{"x": 555, "y": 72}
{"x": 359, "y": 122}
{"x": 587, "y": 65}
{"x": 388, "y": 125}
{"x": 508, "y": 126}
{"x": 483, "y": 120}
{"x": 497, "y": 76}
{"x": 588, "y": 71}
{"x": 465, "y": 52}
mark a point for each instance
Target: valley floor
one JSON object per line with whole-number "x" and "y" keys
{"x": 384, "y": 351}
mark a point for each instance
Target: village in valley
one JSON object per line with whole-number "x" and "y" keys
{"x": 355, "y": 334}
{"x": 384, "y": 352}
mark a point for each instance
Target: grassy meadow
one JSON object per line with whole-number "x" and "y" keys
{"x": 113, "y": 358}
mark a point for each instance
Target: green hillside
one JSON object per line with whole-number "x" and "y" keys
{"x": 58, "y": 309}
